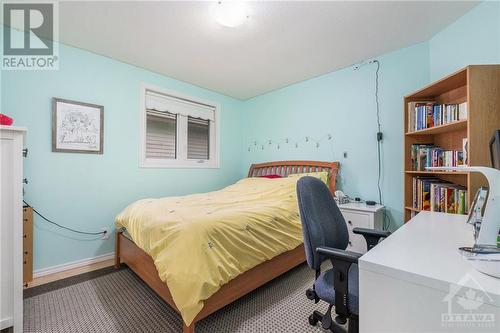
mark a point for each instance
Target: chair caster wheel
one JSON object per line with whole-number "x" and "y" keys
{"x": 311, "y": 294}
{"x": 341, "y": 320}
{"x": 313, "y": 321}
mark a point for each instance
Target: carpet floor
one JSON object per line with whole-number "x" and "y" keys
{"x": 121, "y": 302}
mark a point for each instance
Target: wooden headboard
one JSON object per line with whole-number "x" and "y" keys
{"x": 285, "y": 168}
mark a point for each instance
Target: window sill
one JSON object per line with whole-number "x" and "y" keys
{"x": 178, "y": 164}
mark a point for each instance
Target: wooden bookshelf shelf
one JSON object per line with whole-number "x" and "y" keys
{"x": 413, "y": 172}
{"x": 454, "y": 126}
{"x": 411, "y": 209}
{"x": 476, "y": 85}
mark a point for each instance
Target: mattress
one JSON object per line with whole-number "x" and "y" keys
{"x": 202, "y": 241}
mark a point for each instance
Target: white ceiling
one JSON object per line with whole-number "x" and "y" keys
{"x": 280, "y": 44}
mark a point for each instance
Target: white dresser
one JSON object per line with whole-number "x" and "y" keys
{"x": 360, "y": 215}
{"x": 11, "y": 227}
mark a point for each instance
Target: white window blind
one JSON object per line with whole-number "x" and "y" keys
{"x": 164, "y": 103}
{"x": 198, "y": 139}
{"x": 161, "y": 135}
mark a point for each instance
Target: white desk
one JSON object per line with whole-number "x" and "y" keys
{"x": 416, "y": 281}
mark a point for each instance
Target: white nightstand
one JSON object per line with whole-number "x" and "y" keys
{"x": 363, "y": 216}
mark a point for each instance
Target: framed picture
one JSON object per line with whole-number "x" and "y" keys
{"x": 77, "y": 127}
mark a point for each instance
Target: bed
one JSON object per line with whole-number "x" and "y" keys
{"x": 143, "y": 264}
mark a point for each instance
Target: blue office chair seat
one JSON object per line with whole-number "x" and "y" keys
{"x": 324, "y": 288}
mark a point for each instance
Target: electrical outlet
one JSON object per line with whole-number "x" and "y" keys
{"x": 106, "y": 234}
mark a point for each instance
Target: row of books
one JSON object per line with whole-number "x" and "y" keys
{"x": 434, "y": 194}
{"x": 422, "y": 115}
{"x": 428, "y": 155}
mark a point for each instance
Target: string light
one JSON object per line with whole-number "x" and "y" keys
{"x": 285, "y": 141}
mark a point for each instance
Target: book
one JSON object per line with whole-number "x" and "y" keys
{"x": 411, "y": 117}
{"x": 425, "y": 155}
{"x": 427, "y": 114}
{"x": 426, "y": 195}
{"x": 459, "y": 158}
{"x": 461, "y": 202}
{"x": 435, "y": 189}
{"x": 462, "y": 111}
{"x": 442, "y": 199}
{"x": 414, "y": 116}
{"x": 434, "y": 194}
{"x": 465, "y": 148}
{"x": 450, "y": 201}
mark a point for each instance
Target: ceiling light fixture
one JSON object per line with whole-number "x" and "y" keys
{"x": 230, "y": 13}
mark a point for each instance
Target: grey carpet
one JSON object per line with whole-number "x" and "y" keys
{"x": 121, "y": 302}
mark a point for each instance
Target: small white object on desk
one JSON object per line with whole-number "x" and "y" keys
{"x": 417, "y": 281}
{"x": 361, "y": 215}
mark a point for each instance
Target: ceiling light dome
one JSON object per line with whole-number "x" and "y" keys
{"x": 230, "y": 13}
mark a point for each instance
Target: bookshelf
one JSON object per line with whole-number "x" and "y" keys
{"x": 479, "y": 87}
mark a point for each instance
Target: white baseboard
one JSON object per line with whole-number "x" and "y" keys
{"x": 72, "y": 265}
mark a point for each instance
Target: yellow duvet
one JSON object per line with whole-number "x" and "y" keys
{"x": 200, "y": 242}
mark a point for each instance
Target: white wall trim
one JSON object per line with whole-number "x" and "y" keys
{"x": 72, "y": 265}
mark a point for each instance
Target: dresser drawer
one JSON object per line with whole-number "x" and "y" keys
{"x": 356, "y": 243}
{"x": 27, "y": 244}
{"x": 354, "y": 219}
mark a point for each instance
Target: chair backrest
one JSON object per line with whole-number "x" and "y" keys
{"x": 322, "y": 221}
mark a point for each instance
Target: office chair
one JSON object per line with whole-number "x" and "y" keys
{"x": 326, "y": 237}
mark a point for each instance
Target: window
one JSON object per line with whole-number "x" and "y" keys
{"x": 177, "y": 131}
{"x": 161, "y": 135}
{"x": 198, "y": 139}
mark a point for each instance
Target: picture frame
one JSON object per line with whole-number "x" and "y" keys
{"x": 77, "y": 127}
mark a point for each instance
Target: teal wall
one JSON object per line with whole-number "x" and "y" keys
{"x": 86, "y": 191}
{"x": 342, "y": 103}
{"x": 472, "y": 39}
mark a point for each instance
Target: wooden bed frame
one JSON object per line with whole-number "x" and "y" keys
{"x": 142, "y": 264}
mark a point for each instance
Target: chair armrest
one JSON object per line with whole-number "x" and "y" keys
{"x": 341, "y": 262}
{"x": 371, "y": 236}
{"x": 332, "y": 253}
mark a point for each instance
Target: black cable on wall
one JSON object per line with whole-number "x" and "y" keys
{"x": 387, "y": 220}
{"x": 64, "y": 227}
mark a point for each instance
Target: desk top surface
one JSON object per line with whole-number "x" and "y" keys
{"x": 425, "y": 251}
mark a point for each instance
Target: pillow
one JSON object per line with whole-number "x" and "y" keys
{"x": 271, "y": 176}
{"x": 322, "y": 175}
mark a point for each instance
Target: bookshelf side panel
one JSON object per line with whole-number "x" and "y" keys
{"x": 484, "y": 117}
{"x": 484, "y": 111}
